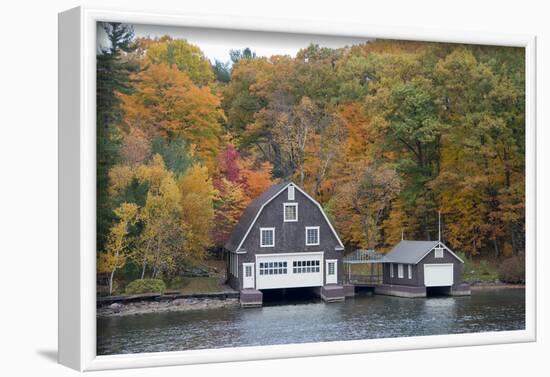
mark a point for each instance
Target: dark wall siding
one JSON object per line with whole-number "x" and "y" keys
{"x": 396, "y": 280}
{"x": 418, "y": 270}
{"x": 290, "y": 236}
{"x": 447, "y": 258}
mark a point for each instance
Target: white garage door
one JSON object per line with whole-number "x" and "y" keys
{"x": 289, "y": 270}
{"x": 438, "y": 275}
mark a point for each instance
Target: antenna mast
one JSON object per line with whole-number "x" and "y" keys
{"x": 439, "y": 226}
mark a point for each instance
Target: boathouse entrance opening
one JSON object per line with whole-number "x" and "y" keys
{"x": 284, "y": 296}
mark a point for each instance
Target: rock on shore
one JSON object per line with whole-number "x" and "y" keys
{"x": 177, "y": 305}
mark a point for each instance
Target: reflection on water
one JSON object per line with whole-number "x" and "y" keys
{"x": 295, "y": 321}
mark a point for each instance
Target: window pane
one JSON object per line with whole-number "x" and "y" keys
{"x": 312, "y": 236}
{"x": 267, "y": 237}
{"x": 291, "y": 213}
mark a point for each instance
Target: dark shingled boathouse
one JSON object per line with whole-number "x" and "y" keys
{"x": 284, "y": 240}
{"x": 413, "y": 268}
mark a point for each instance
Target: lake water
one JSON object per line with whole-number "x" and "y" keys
{"x": 303, "y": 321}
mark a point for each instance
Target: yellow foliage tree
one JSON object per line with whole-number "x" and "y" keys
{"x": 118, "y": 242}
{"x": 161, "y": 243}
{"x": 185, "y": 56}
{"x": 167, "y": 103}
{"x": 197, "y": 210}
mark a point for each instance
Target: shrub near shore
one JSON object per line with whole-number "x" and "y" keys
{"x": 146, "y": 286}
{"x": 512, "y": 270}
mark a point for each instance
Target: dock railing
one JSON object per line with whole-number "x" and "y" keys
{"x": 363, "y": 267}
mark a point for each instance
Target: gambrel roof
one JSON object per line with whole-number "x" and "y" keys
{"x": 412, "y": 252}
{"x": 252, "y": 212}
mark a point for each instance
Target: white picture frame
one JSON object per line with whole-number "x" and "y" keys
{"x": 77, "y": 204}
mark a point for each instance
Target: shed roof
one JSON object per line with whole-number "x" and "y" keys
{"x": 410, "y": 252}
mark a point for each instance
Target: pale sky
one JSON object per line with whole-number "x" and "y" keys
{"x": 216, "y": 43}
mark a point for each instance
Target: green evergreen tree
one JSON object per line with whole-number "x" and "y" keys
{"x": 113, "y": 72}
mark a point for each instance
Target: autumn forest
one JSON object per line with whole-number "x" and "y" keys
{"x": 383, "y": 134}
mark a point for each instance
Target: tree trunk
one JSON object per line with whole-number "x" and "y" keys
{"x": 143, "y": 269}
{"x": 111, "y": 282}
{"x": 495, "y": 244}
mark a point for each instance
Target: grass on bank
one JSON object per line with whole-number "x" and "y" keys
{"x": 195, "y": 285}
{"x": 214, "y": 282}
{"x": 479, "y": 271}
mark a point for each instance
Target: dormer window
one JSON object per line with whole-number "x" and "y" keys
{"x": 290, "y": 212}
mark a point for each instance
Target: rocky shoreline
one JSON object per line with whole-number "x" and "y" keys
{"x": 118, "y": 309}
{"x": 132, "y": 305}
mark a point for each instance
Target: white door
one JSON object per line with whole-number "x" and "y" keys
{"x": 438, "y": 275}
{"x": 289, "y": 270}
{"x": 248, "y": 275}
{"x": 332, "y": 271}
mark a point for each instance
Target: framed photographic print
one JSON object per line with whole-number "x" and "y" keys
{"x": 237, "y": 189}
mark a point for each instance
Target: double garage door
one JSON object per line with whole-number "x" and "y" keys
{"x": 289, "y": 270}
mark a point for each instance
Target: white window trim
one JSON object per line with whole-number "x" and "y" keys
{"x": 340, "y": 244}
{"x": 284, "y": 212}
{"x": 318, "y": 235}
{"x": 391, "y": 270}
{"x": 334, "y": 263}
{"x": 291, "y": 194}
{"x": 400, "y": 274}
{"x": 262, "y": 238}
{"x": 409, "y": 271}
{"x": 332, "y": 277}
